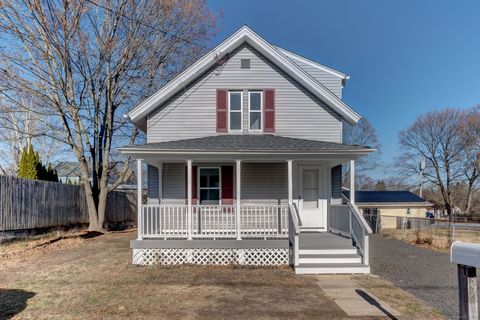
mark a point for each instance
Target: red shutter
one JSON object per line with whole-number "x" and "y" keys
{"x": 269, "y": 110}
{"x": 194, "y": 184}
{"x": 222, "y": 110}
{"x": 227, "y": 185}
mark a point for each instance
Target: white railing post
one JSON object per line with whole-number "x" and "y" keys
{"x": 139, "y": 199}
{"x": 160, "y": 183}
{"x": 290, "y": 182}
{"x": 189, "y": 199}
{"x": 352, "y": 181}
{"x": 238, "y": 165}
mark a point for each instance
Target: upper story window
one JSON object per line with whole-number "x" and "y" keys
{"x": 255, "y": 109}
{"x": 235, "y": 103}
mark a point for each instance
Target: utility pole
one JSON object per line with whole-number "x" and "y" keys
{"x": 422, "y": 168}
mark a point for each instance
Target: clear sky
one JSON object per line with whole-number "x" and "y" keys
{"x": 404, "y": 57}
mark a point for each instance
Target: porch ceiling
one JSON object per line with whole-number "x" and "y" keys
{"x": 261, "y": 147}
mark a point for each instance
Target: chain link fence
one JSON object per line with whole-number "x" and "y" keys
{"x": 437, "y": 233}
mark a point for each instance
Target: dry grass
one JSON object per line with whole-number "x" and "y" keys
{"x": 435, "y": 239}
{"x": 405, "y": 303}
{"x": 76, "y": 278}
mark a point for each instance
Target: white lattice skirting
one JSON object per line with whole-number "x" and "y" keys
{"x": 251, "y": 256}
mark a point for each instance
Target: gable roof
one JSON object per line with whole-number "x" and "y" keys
{"x": 386, "y": 197}
{"x": 265, "y": 143}
{"x": 296, "y": 57}
{"x": 243, "y": 35}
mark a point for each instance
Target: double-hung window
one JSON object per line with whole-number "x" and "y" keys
{"x": 209, "y": 185}
{"x": 255, "y": 109}
{"x": 235, "y": 110}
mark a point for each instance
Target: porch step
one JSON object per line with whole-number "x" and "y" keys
{"x": 331, "y": 268}
{"x": 329, "y": 251}
{"x": 329, "y": 258}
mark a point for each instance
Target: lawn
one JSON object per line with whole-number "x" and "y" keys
{"x": 92, "y": 278}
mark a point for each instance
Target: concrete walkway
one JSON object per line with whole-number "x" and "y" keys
{"x": 354, "y": 300}
{"x": 425, "y": 273}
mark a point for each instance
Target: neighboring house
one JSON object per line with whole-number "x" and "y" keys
{"x": 68, "y": 172}
{"x": 244, "y": 152}
{"x": 390, "y": 204}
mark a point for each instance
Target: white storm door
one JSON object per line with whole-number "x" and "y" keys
{"x": 312, "y": 199}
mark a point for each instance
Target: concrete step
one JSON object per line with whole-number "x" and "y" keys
{"x": 329, "y": 258}
{"x": 331, "y": 268}
{"x": 328, "y": 251}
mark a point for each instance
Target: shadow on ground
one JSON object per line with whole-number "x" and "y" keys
{"x": 13, "y": 301}
{"x": 374, "y": 303}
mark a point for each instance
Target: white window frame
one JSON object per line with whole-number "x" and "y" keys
{"x": 260, "y": 111}
{"x": 208, "y": 188}
{"x": 238, "y": 111}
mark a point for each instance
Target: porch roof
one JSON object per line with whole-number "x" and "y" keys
{"x": 248, "y": 143}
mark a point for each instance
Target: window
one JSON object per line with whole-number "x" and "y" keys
{"x": 209, "y": 185}
{"x": 408, "y": 210}
{"x": 235, "y": 110}
{"x": 245, "y": 63}
{"x": 255, "y": 106}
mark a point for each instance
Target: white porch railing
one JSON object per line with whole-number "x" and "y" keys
{"x": 214, "y": 221}
{"x": 347, "y": 220}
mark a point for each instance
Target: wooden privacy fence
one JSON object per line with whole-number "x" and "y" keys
{"x": 30, "y": 204}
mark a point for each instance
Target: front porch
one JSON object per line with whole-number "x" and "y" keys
{"x": 251, "y": 209}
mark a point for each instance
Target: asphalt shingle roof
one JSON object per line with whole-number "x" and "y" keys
{"x": 384, "y": 196}
{"x": 260, "y": 142}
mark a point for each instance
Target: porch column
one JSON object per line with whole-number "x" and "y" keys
{"x": 238, "y": 166}
{"x": 290, "y": 181}
{"x": 160, "y": 183}
{"x": 189, "y": 199}
{"x": 139, "y": 199}
{"x": 352, "y": 181}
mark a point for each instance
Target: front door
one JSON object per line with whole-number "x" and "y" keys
{"x": 312, "y": 197}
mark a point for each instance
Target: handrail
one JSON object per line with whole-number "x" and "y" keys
{"x": 295, "y": 218}
{"x": 358, "y": 215}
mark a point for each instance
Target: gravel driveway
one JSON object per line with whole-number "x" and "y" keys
{"x": 425, "y": 273}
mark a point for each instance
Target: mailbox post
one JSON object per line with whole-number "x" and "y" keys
{"x": 467, "y": 258}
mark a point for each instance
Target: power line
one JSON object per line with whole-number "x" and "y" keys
{"x": 165, "y": 33}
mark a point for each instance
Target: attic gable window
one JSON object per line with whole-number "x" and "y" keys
{"x": 235, "y": 110}
{"x": 245, "y": 63}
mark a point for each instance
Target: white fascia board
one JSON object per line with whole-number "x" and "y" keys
{"x": 244, "y": 34}
{"x": 313, "y": 64}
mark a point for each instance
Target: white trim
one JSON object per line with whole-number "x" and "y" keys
{"x": 243, "y": 35}
{"x": 139, "y": 198}
{"x": 257, "y": 111}
{"x": 236, "y": 111}
{"x": 312, "y": 63}
{"x": 219, "y": 183}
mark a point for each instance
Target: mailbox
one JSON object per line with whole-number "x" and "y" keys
{"x": 467, "y": 254}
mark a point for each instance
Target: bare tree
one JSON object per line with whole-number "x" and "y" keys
{"x": 437, "y": 137}
{"x": 88, "y": 61}
{"x": 363, "y": 133}
{"x": 470, "y": 130}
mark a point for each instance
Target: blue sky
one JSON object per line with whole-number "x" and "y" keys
{"x": 404, "y": 58}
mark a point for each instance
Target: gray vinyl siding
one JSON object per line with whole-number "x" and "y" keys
{"x": 330, "y": 81}
{"x": 264, "y": 183}
{"x": 153, "y": 184}
{"x": 192, "y": 113}
{"x": 173, "y": 183}
{"x": 261, "y": 183}
{"x": 337, "y": 184}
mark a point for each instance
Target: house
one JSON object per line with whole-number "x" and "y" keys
{"x": 388, "y": 205}
{"x": 244, "y": 152}
{"x": 68, "y": 172}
